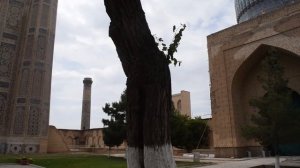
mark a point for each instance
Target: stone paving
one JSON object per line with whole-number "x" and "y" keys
{"x": 292, "y": 161}
{"x": 244, "y": 163}
{"x": 285, "y": 161}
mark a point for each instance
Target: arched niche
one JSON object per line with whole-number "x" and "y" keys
{"x": 70, "y": 140}
{"x": 179, "y": 105}
{"x": 245, "y": 85}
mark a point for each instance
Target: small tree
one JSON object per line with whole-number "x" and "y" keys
{"x": 179, "y": 129}
{"x": 271, "y": 125}
{"x": 188, "y": 133}
{"x": 197, "y": 134}
{"x": 114, "y": 132}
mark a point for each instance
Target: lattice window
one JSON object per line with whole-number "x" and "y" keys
{"x": 2, "y": 110}
{"x": 34, "y": 121}
{"x": 13, "y": 21}
{"x": 46, "y": 88}
{"x": 37, "y": 83}
{"x": 6, "y": 54}
{"x": 45, "y": 122}
{"x": 34, "y": 15}
{"x": 41, "y": 47}
{"x": 19, "y": 121}
{"x": 24, "y": 82}
{"x": 45, "y": 15}
{"x": 29, "y": 46}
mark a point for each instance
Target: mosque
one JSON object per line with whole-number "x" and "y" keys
{"x": 27, "y": 31}
{"x": 235, "y": 55}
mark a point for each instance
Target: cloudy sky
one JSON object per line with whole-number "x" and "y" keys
{"x": 83, "y": 49}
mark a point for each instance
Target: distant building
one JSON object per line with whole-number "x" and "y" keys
{"x": 66, "y": 140}
{"x": 182, "y": 102}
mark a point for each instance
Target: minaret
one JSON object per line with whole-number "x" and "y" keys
{"x": 86, "y": 104}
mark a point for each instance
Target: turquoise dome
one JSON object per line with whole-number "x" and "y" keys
{"x": 248, "y": 9}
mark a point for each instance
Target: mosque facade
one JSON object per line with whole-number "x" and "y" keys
{"x": 235, "y": 56}
{"x": 27, "y": 31}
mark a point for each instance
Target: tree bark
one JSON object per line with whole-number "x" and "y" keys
{"x": 148, "y": 86}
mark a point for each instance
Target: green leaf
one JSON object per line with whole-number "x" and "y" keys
{"x": 175, "y": 62}
{"x": 172, "y": 49}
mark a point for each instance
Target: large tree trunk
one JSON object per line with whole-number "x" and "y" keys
{"x": 148, "y": 86}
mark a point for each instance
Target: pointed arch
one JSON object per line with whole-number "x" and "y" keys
{"x": 246, "y": 86}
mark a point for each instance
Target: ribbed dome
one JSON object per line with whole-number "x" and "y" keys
{"x": 248, "y": 9}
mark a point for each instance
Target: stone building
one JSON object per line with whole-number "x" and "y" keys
{"x": 27, "y": 31}
{"x": 89, "y": 140}
{"x": 235, "y": 56}
{"x": 182, "y": 102}
{"x": 66, "y": 140}
{"x": 86, "y": 139}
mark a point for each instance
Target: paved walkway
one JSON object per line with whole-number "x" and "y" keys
{"x": 244, "y": 163}
{"x": 253, "y": 162}
{"x": 292, "y": 161}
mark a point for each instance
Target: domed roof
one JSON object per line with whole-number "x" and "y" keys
{"x": 248, "y": 9}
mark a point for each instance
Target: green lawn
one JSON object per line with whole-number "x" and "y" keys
{"x": 70, "y": 161}
{"x": 79, "y": 161}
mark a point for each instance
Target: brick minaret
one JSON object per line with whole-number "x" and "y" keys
{"x": 86, "y": 104}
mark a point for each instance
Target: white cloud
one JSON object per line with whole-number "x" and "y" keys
{"x": 83, "y": 49}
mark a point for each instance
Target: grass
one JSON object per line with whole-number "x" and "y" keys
{"x": 79, "y": 161}
{"x": 70, "y": 161}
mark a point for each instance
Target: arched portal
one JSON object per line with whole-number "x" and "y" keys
{"x": 234, "y": 57}
{"x": 245, "y": 85}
